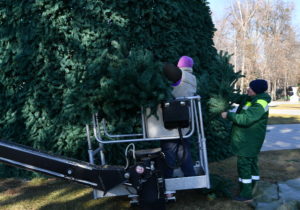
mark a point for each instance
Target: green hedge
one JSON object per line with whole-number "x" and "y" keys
{"x": 60, "y": 61}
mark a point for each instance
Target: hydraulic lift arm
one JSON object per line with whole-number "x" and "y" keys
{"x": 100, "y": 177}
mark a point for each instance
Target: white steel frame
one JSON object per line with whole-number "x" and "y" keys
{"x": 101, "y": 135}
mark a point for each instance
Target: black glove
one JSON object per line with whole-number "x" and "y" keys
{"x": 172, "y": 72}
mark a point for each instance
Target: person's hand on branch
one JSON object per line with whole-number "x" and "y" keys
{"x": 224, "y": 115}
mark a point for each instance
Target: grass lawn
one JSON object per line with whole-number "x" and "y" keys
{"x": 53, "y": 194}
{"x": 284, "y": 118}
{"x": 287, "y": 106}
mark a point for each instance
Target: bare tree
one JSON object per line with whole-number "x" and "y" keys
{"x": 260, "y": 35}
{"x": 274, "y": 23}
{"x": 243, "y": 14}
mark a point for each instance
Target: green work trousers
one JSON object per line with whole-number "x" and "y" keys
{"x": 248, "y": 174}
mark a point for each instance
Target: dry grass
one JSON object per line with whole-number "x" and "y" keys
{"x": 60, "y": 195}
{"x": 52, "y": 194}
{"x": 275, "y": 166}
{"x": 286, "y": 106}
{"x": 283, "y": 119}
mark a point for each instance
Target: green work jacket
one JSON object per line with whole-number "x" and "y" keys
{"x": 249, "y": 124}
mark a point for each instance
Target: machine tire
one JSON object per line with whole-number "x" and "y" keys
{"x": 150, "y": 196}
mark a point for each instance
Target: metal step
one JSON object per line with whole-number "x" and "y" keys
{"x": 185, "y": 183}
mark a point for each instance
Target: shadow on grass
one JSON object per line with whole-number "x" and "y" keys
{"x": 275, "y": 166}
{"x": 11, "y": 184}
{"x": 86, "y": 202}
{"x": 27, "y": 192}
{"x": 283, "y": 119}
{"x": 49, "y": 194}
{"x": 280, "y": 165}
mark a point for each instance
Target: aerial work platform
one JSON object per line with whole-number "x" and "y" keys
{"x": 150, "y": 133}
{"x": 141, "y": 179}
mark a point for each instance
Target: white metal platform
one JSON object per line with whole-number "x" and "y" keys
{"x": 101, "y": 134}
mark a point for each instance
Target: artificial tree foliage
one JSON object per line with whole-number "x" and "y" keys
{"x": 62, "y": 60}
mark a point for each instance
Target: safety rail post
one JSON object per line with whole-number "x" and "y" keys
{"x": 96, "y": 129}
{"x": 204, "y": 142}
{"x": 90, "y": 150}
{"x": 200, "y": 145}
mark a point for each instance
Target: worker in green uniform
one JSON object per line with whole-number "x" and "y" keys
{"x": 248, "y": 134}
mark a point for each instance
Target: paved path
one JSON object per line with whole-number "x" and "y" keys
{"x": 294, "y": 111}
{"x": 284, "y": 111}
{"x": 284, "y": 136}
{"x": 275, "y": 103}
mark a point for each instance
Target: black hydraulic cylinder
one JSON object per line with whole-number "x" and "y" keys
{"x": 99, "y": 177}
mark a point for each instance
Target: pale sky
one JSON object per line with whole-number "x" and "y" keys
{"x": 218, "y": 8}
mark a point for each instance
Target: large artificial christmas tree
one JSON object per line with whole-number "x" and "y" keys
{"x": 62, "y": 60}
